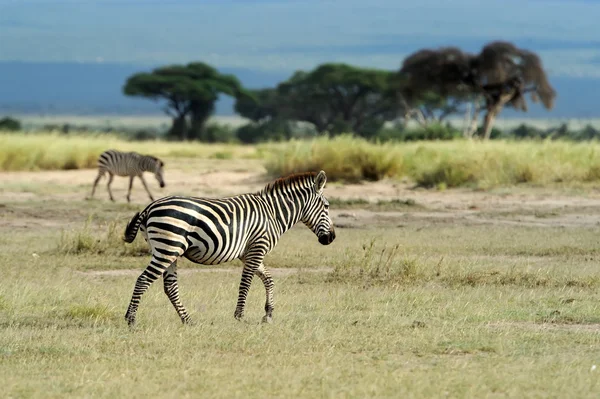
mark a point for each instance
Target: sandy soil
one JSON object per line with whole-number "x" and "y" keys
{"x": 214, "y": 178}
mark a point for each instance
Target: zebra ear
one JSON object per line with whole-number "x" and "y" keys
{"x": 320, "y": 181}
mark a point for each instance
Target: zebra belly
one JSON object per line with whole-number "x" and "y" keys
{"x": 201, "y": 255}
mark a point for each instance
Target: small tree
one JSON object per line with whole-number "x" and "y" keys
{"x": 189, "y": 90}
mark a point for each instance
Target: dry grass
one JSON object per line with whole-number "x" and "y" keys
{"x": 48, "y": 151}
{"x": 443, "y": 164}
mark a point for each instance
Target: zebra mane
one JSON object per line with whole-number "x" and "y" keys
{"x": 297, "y": 179}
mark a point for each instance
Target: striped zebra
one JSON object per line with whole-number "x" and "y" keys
{"x": 129, "y": 164}
{"x": 213, "y": 231}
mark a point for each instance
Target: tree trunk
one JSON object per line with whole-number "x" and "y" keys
{"x": 200, "y": 111}
{"x": 493, "y": 110}
{"x": 471, "y": 120}
{"x": 178, "y": 128}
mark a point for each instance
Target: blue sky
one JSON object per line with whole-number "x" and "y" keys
{"x": 287, "y": 35}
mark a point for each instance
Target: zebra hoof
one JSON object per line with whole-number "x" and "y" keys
{"x": 188, "y": 322}
{"x": 267, "y": 319}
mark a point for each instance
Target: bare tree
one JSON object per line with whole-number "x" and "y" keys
{"x": 500, "y": 75}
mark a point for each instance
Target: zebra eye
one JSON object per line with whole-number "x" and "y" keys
{"x": 326, "y": 206}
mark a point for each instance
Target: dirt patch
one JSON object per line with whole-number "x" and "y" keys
{"x": 218, "y": 178}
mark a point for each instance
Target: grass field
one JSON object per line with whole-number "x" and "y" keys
{"x": 458, "y": 163}
{"x": 425, "y": 293}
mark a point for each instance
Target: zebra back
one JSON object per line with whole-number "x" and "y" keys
{"x": 129, "y": 163}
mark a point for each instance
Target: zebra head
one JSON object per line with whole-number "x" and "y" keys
{"x": 316, "y": 212}
{"x": 158, "y": 172}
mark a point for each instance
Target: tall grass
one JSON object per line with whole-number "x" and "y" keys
{"x": 106, "y": 239}
{"x": 442, "y": 164}
{"x": 55, "y": 151}
{"x": 343, "y": 158}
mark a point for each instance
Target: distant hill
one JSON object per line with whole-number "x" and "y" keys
{"x": 95, "y": 89}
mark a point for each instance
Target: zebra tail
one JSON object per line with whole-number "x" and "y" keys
{"x": 132, "y": 228}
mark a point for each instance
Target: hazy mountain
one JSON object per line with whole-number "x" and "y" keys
{"x": 66, "y": 56}
{"x": 81, "y": 88}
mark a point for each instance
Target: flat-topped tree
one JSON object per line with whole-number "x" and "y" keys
{"x": 499, "y": 75}
{"x": 189, "y": 90}
{"x": 336, "y": 96}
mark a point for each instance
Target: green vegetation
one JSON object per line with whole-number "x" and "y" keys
{"x": 10, "y": 124}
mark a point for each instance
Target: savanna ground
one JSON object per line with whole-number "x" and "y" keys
{"x": 425, "y": 293}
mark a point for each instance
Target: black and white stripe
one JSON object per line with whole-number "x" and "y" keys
{"x": 129, "y": 164}
{"x": 213, "y": 231}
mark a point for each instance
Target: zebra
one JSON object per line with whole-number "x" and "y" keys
{"x": 212, "y": 231}
{"x": 129, "y": 164}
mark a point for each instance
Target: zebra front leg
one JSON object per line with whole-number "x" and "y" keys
{"x": 267, "y": 280}
{"x": 250, "y": 267}
{"x": 146, "y": 187}
{"x": 130, "y": 185}
{"x": 172, "y": 291}
{"x": 110, "y": 179}
{"x": 154, "y": 270}
{"x": 100, "y": 174}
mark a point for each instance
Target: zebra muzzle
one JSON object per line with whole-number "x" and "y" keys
{"x": 328, "y": 238}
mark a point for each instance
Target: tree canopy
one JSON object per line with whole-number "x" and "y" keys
{"x": 339, "y": 97}
{"x": 500, "y": 75}
{"x": 189, "y": 90}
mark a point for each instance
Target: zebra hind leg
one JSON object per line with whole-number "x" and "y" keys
{"x": 172, "y": 290}
{"x": 267, "y": 280}
{"x": 100, "y": 174}
{"x": 155, "y": 269}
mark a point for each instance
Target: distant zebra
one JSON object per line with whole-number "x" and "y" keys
{"x": 129, "y": 164}
{"x": 212, "y": 231}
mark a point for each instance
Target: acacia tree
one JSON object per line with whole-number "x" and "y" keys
{"x": 498, "y": 76}
{"x": 335, "y": 97}
{"x": 259, "y": 106}
{"x": 189, "y": 91}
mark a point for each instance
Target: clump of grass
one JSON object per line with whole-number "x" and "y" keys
{"x": 89, "y": 313}
{"x": 103, "y": 239}
{"x": 343, "y": 158}
{"x": 375, "y": 265}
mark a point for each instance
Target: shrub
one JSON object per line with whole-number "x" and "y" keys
{"x": 10, "y": 124}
